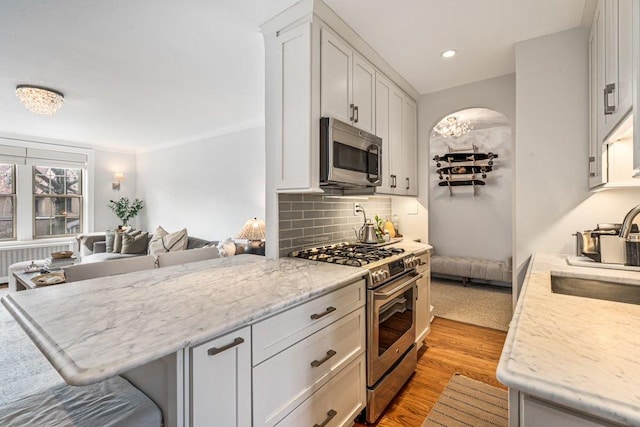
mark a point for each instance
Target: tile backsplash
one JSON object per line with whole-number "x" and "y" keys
{"x": 318, "y": 219}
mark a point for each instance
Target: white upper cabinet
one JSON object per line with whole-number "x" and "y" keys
{"x": 396, "y": 124}
{"x": 615, "y": 31}
{"x": 347, "y": 84}
{"x": 364, "y": 81}
{"x": 336, "y": 78}
{"x": 611, "y": 93}
{"x": 410, "y": 146}
{"x": 636, "y": 88}
{"x": 596, "y": 102}
{"x": 317, "y": 66}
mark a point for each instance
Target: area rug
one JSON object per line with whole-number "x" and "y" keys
{"x": 467, "y": 402}
{"x": 482, "y": 305}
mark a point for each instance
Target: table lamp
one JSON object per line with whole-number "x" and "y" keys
{"x": 254, "y": 232}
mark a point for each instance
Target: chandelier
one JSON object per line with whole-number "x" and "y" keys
{"x": 40, "y": 100}
{"x": 452, "y": 127}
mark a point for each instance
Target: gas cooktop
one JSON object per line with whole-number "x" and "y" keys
{"x": 357, "y": 255}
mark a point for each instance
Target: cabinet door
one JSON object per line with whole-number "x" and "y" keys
{"x": 221, "y": 381}
{"x": 335, "y": 72}
{"x": 383, "y": 94}
{"x": 410, "y": 147}
{"x": 364, "y": 81}
{"x": 636, "y": 88}
{"x": 625, "y": 58}
{"x": 596, "y": 104}
{"x": 396, "y": 131}
{"x": 423, "y": 301}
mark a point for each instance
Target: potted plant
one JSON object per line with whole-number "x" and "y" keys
{"x": 125, "y": 209}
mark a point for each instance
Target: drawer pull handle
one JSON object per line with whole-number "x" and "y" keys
{"x": 215, "y": 350}
{"x": 332, "y": 413}
{"x": 329, "y": 355}
{"x": 317, "y": 316}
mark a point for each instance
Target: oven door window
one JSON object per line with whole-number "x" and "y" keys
{"x": 395, "y": 318}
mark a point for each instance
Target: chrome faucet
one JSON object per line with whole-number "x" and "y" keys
{"x": 628, "y": 222}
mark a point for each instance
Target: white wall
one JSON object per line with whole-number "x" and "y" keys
{"x": 211, "y": 187}
{"x": 497, "y": 94}
{"x": 474, "y": 225}
{"x": 412, "y": 217}
{"x": 552, "y": 199}
{"x": 106, "y": 164}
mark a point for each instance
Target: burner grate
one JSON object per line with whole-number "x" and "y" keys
{"x": 347, "y": 254}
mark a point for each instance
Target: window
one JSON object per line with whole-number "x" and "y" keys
{"x": 57, "y": 201}
{"x": 7, "y": 201}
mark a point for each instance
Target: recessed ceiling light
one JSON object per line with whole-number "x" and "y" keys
{"x": 449, "y": 53}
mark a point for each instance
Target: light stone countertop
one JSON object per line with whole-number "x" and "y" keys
{"x": 578, "y": 352}
{"x": 94, "y": 329}
{"x": 411, "y": 246}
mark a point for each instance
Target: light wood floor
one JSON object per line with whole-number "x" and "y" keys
{"x": 451, "y": 347}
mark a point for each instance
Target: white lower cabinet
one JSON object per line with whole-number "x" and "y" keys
{"x": 309, "y": 365}
{"x": 535, "y": 412}
{"x": 335, "y": 404}
{"x": 287, "y": 379}
{"x": 220, "y": 381}
{"x": 423, "y": 302}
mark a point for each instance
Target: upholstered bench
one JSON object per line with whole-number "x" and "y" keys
{"x": 470, "y": 269}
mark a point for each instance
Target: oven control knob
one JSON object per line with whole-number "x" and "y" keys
{"x": 385, "y": 274}
{"x": 410, "y": 262}
{"x": 377, "y": 276}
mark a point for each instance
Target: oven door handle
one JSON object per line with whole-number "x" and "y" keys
{"x": 414, "y": 278}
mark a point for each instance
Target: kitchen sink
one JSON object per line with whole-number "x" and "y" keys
{"x": 597, "y": 289}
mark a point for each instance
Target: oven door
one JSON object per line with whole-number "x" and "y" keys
{"x": 392, "y": 319}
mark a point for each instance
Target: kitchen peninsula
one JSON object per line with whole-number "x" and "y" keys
{"x": 95, "y": 329}
{"x": 571, "y": 360}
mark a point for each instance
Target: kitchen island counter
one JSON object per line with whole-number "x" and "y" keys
{"x": 576, "y": 352}
{"x": 98, "y": 328}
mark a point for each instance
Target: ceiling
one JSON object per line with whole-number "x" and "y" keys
{"x": 139, "y": 75}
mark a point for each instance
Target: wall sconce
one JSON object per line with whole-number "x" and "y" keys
{"x": 118, "y": 177}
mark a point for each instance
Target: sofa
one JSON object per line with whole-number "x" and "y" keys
{"x": 92, "y": 247}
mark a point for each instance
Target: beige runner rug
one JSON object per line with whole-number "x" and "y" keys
{"x": 466, "y": 402}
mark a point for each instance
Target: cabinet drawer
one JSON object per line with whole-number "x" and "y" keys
{"x": 284, "y": 381}
{"x": 341, "y": 399}
{"x": 281, "y": 331}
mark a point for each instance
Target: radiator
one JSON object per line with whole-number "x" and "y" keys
{"x": 11, "y": 255}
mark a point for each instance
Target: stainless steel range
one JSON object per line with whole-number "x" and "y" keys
{"x": 391, "y": 319}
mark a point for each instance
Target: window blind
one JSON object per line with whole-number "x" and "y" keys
{"x": 63, "y": 159}
{"x": 10, "y": 154}
{"x": 13, "y": 154}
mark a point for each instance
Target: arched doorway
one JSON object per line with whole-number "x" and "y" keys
{"x": 470, "y": 216}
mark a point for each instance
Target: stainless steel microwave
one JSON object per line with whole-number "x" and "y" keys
{"x": 349, "y": 157}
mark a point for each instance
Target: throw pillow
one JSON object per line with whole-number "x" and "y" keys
{"x": 117, "y": 242}
{"x": 135, "y": 244}
{"x": 110, "y": 236}
{"x": 167, "y": 242}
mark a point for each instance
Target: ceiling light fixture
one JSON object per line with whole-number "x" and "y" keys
{"x": 40, "y": 100}
{"x": 449, "y": 53}
{"x": 451, "y": 127}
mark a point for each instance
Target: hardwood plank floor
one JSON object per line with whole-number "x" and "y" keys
{"x": 451, "y": 347}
